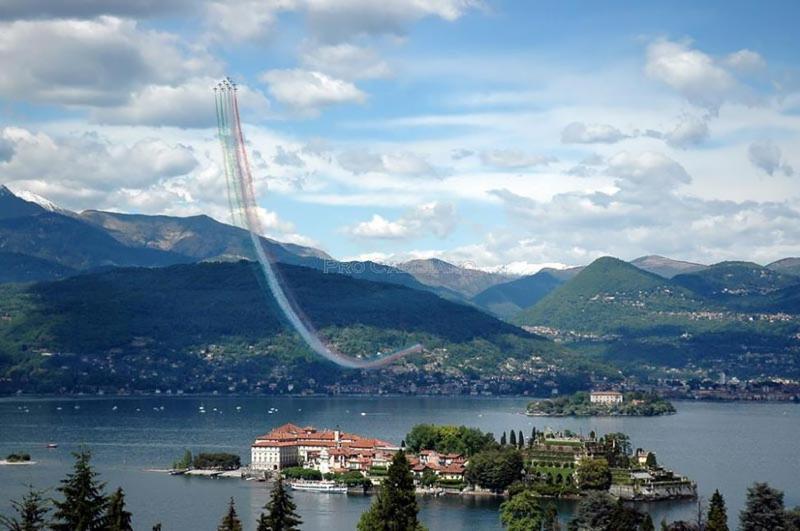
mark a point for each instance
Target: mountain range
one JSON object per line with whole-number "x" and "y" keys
{"x": 107, "y": 283}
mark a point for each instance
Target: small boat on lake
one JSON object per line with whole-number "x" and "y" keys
{"x": 52, "y": 445}
{"x": 318, "y": 486}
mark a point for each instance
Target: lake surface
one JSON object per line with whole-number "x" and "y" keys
{"x": 725, "y": 446}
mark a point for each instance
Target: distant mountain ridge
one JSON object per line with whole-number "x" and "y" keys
{"x": 466, "y": 281}
{"x": 509, "y": 298}
{"x": 666, "y": 267}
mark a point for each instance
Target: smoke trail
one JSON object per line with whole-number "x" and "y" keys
{"x": 244, "y": 211}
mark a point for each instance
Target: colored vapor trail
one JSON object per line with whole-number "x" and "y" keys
{"x": 244, "y": 210}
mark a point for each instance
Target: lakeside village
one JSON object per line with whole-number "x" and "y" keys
{"x": 453, "y": 460}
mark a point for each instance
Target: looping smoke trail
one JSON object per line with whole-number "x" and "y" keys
{"x": 244, "y": 210}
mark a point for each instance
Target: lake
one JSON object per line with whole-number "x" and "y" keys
{"x": 719, "y": 445}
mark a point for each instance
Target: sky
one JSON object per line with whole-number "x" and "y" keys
{"x": 493, "y": 134}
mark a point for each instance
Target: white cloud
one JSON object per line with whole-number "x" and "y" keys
{"x": 94, "y": 63}
{"x": 404, "y": 163}
{"x": 241, "y": 20}
{"x": 435, "y": 218}
{"x": 308, "y": 91}
{"x": 340, "y": 20}
{"x": 766, "y": 155}
{"x": 646, "y": 176}
{"x": 286, "y": 157}
{"x": 581, "y": 133}
{"x": 694, "y": 74}
{"x": 90, "y": 164}
{"x": 185, "y": 105}
{"x": 346, "y": 61}
{"x": 37, "y": 9}
{"x": 689, "y": 131}
{"x": 512, "y": 159}
{"x": 746, "y": 61}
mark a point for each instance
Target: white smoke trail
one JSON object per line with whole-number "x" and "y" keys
{"x": 244, "y": 211}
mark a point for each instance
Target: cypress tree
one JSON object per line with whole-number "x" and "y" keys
{"x": 533, "y": 437}
{"x": 117, "y": 518}
{"x": 31, "y": 513}
{"x": 395, "y": 507}
{"x": 763, "y": 510}
{"x": 84, "y": 504}
{"x": 521, "y": 440}
{"x": 503, "y": 441}
{"x": 513, "y": 438}
{"x": 281, "y": 511}
{"x": 230, "y": 522}
{"x": 717, "y": 514}
{"x": 157, "y": 527}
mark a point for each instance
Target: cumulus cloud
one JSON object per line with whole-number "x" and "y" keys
{"x": 404, "y": 163}
{"x": 37, "y": 9}
{"x": 694, "y": 74}
{"x": 581, "y": 133}
{"x": 89, "y": 162}
{"x": 511, "y": 159}
{"x": 285, "y": 157}
{"x": 647, "y": 212}
{"x": 766, "y": 155}
{"x": 345, "y": 61}
{"x": 7, "y": 149}
{"x": 97, "y": 62}
{"x": 184, "y": 105}
{"x": 746, "y": 61}
{"x": 308, "y": 91}
{"x": 435, "y": 218}
{"x": 340, "y": 20}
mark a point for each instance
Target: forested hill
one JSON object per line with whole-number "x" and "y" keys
{"x": 184, "y": 310}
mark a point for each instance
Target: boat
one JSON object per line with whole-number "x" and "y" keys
{"x": 318, "y": 486}
{"x": 52, "y": 445}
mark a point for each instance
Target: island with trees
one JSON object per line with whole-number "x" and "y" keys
{"x": 582, "y": 404}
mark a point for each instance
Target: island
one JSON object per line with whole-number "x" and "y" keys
{"x": 601, "y": 404}
{"x": 17, "y": 458}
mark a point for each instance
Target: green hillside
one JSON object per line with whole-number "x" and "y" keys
{"x": 15, "y": 267}
{"x": 625, "y": 315}
{"x": 608, "y": 295}
{"x": 130, "y": 319}
{"x": 735, "y": 279}
{"x": 509, "y": 298}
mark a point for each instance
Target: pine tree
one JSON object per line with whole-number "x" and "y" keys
{"x": 31, "y": 513}
{"x": 513, "y": 438}
{"x": 117, "y": 518}
{"x": 281, "y": 511}
{"x": 647, "y": 524}
{"x": 503, "y": 441}
{"x": 763, "y": 510}
{"x": 717, "y": 514}
{"x": 84, "y": 504}
{"x": 395, "y": 507}
{"x": 230, "y": 522}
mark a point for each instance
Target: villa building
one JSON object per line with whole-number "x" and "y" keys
{"x": 325, "y": 450}
{"x": 605, "y": 397}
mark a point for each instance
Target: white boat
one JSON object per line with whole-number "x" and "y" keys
{"x": 318, "y": 486}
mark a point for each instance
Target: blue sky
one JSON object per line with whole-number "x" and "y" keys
{"x": 495, "y": 134}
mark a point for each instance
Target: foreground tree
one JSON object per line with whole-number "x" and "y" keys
{"x": 793, "y": 519}
{"x": 281, "y": 511}
{"x": 647, "y": 524}
{"x": 31, "y": 513}
{"x": 717, "y": 514}
{"x": 594, "y": 512}
{"x": 763, "y": 510}
{"x": 395, "y": 507}
{"x": 117, "y": 518}
{"x": 230, "y": 522}
{"x": 84, "y": 505}
{"x": 522, "y": 512}
{"x": 551, "y": 522}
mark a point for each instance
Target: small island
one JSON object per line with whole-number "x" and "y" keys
{"x": 602, "y": 404}
{"x": 17, "y": 458}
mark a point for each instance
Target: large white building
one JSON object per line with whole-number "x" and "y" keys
{"x": 605, "y": 397}
{"x": 325, "y": 450}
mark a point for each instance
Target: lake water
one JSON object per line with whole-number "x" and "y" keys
{"x": 725, "y": 446}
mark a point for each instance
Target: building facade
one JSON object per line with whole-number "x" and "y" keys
{"x": 605, "y": 397}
